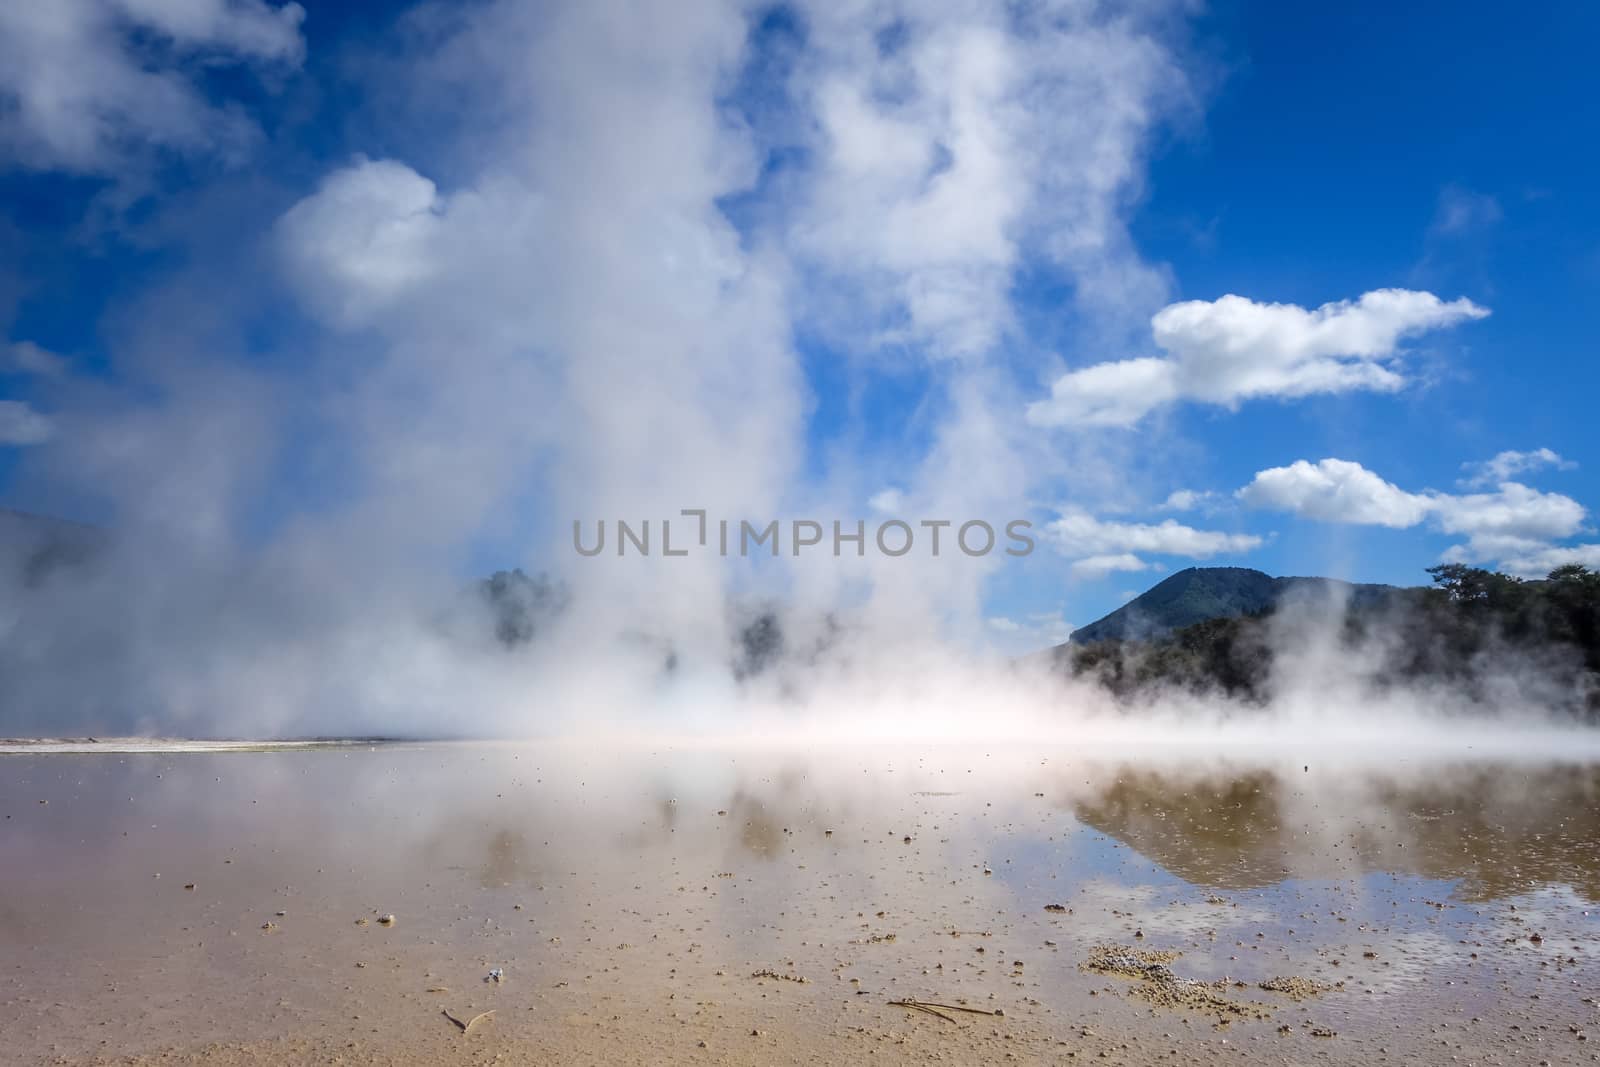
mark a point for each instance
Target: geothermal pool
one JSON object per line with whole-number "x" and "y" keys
{"x": 726, "y": 904}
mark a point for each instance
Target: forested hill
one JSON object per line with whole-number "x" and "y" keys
{"x": 1201, "y": 593}
{"x": 1482, "y": 634}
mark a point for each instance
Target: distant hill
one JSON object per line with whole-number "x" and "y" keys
{"x": 1199, "y": 594}
{"x": 1479, "y": 633}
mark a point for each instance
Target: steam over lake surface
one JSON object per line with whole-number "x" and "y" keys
{"x": 662, "y": 905}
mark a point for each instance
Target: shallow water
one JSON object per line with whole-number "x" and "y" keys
{"x": 630, "y": 898}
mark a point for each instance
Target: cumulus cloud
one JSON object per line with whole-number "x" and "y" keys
{"x": 1335, "y": 490}
{"x": 21, "y": 425}
{"x": 1102, "y": 547}
{"x": 1513, "y": 522}
{"x": 84, "y": 84}
{"x": 1507, "y": 465}
{"x": 1513, "y": 513}
{"x": 1540, "y": 562}
{"x": 363, "y": 240}
{"x": 1233, "y": 349}
{"x": 1108, "y": 394}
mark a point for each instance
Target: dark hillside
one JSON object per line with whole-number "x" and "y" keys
{"x": 1202, "y": 593}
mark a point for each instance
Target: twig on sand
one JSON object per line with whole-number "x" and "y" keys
{"x": 918, "y": 1006}
{"x": 911, "y": 1003}
{"x": 465, "y": 1026}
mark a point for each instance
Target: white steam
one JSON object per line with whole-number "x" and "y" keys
{"x": 597, "y": 290}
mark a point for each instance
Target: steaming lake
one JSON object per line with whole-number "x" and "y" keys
{"x": 731, "y": 905}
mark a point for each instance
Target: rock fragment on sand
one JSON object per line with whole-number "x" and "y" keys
{"x": 769, "y": 973}
{"x": 1156, "y": 982}
{"x": 1296, "y": 988}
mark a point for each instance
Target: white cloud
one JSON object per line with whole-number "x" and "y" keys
{"x": 364, "y": 239}
{"x": 85, "y": 83}
{"x": 1233, "y": 349}
{"x": 1100, "y": 566}
{"x": 1540, "y": 562}
{"x": 1078, "y": 533}
{"x": 1100, "y": 547}
{"x": 21, "y": 425}
{"x": 25, "y": 357}
{"x": 1509, "y": 464}
{"x": 1514, "y": 522}
{"x": 1335, "y": 490}
{"x": 1187, "y": 499}
{"x": 1513, "y": 511}
{"x": 1108, "y": 394}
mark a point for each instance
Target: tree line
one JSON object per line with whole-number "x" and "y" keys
{"x": 1473, "y": 629}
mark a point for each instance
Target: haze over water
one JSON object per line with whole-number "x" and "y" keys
{"x": 631, "y": 899}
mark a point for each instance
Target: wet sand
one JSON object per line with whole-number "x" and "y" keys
{"x": 728, "y": 905}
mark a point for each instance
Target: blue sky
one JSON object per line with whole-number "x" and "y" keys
{"x": 1333, "y": 152}
{"x": 280, "y": 270}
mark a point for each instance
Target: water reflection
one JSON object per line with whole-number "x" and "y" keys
{"x": 1496, "y": 831}
{"x": 223, "y": 882}
{"x": 516, "y": 817}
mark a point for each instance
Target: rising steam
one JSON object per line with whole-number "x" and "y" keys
{"x": 600, "y": 291}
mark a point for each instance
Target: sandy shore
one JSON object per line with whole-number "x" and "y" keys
{"x": 791, "y": 907}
